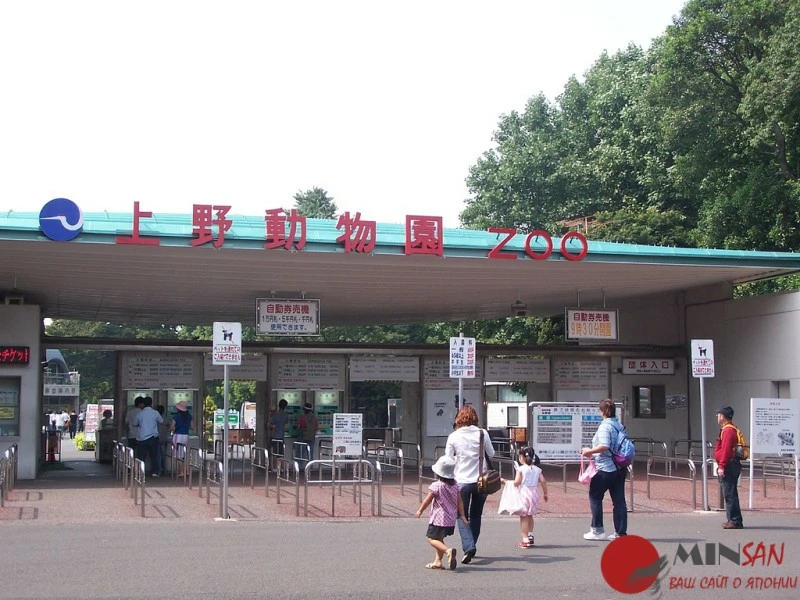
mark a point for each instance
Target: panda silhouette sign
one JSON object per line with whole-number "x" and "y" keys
{"x": 702, "y": 358}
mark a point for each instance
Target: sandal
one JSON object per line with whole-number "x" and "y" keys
{"x": 451, "y": 559}
{"x": 434, "y": 566}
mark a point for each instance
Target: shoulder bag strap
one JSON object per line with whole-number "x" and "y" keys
{"x": 480, "y": 456}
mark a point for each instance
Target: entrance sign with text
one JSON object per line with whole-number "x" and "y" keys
{"x": 596, "y": 324}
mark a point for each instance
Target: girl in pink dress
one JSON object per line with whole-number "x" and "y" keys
{"x": 446, "y": 507}
{"x": 528, "y": 477}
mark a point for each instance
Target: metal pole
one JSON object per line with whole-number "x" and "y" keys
{"x": 224, "y": 486}
{"x": 703, "y": 441}
{"x": 460, "y": 385}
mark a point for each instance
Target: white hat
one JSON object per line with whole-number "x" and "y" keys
{"x": 445, "y": 467}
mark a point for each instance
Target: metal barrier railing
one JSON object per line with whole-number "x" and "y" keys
{"x": 288, "y": 471}
{"x": 196, "y": 458}
{"x": 301, "y": 452}
{"x": 650, "y": 449}
{"x": 775, "y": 467}
{"x": 504, "y": 448}
{"x": 389, "y": 457}
{"x": 9, "y": 471}
{"x": 129, "y": 465}
{"x": 693, "y": 447}
{"x": 139, "y": 480}
{"x": 357, "y": 481}
{"x": 259, "y": 459}
{"x": 116, "y": 461}
{"x": 4, "y": 467}
{"x": 214, "y": 476}
{"x": 232, "y": 458}
{"x": 692, "y": 478}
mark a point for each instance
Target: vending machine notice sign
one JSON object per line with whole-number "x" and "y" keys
{"x": 347, "y": 434}
{"x": 561, "y": 430}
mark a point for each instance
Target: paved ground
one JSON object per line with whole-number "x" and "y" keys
{"x": 79, "y": 522}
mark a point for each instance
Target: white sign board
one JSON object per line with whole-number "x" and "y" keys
{"x": 348, "y": 431}
{"x": 309, "y": 372}
{"x": 441, "y": 407}
{"x": 226, "y": 344}
{"x": 287, "y": 316}
{"x": 384, "y": 368}
{"x": 518, "y": 369}
{"x": 596, "y": 324}
{"x": 648, "y": 366}
{"x": 435, "y": 376}
{"x": 774, "y": 426}
{"x": 702, "y": 358}
{"x": 581, "y": 374}
{"x": 157, "y": 371}
{"x": 561, "y": 430}
{"x": 462, "y": 357}
{"x": 252, "y": 368}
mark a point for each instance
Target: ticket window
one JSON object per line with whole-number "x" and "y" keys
{"x": 175, "y": 396}
{"x": 326, "y": 403}
{"x": 294, "y": 408}
{"x": 9, "y": 406}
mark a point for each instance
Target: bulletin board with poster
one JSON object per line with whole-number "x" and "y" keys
{"x": 561, "y": 429}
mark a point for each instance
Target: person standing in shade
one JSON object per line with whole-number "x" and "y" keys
{"x": 609, "y": 478}
{"x": 163, "y": 440}
{"x": 130, "y": 417}
{"x": 73, "y": 424}
{"x": 81, "y": 420}
{"x": 308, "y": 425}
{"x": 729, "y": 468}
{"x": 277, "y": 430}
{"x": 463, "y": 445}
{"x": 146, "y": 422}
{"x": 180, "y": 426}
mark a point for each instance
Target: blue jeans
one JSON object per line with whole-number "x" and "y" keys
{"x": 473, "y": 508}
{"x": 730, "y": 491}
{"x": 614, "y": 483}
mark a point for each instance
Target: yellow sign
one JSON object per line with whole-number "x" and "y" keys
{"x": 7, "y": 413}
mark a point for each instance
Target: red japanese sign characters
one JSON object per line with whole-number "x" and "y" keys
{"x": 424, "y": 234}
{"x": 15, "y": 355}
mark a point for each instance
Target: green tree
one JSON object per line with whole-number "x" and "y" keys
{"x": 315, "y": 204}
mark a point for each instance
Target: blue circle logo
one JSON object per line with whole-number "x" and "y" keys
{"x": 61, "y": 220}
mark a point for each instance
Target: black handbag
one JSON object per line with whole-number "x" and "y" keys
{"x": 489, "y": 480}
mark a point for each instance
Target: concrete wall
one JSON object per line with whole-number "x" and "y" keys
{"x": 755, "y": 347}
{"x": 20, "y": 325}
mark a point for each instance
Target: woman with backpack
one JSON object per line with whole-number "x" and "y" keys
{"x": 609, "y": 477}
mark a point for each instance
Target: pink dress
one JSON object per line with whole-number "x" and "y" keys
{"x": 528, "y": 491}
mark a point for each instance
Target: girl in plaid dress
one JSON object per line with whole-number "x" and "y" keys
{"x": 446, "y": 506}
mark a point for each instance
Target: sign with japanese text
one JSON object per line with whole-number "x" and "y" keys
{"x": 462, "y": 357}
{"x": 219, "y": 418}
{"x": 424, "y": 234}
{"x": 648, "y": 366}
{"x": 309, "y": 372}
{"x": 287, "y": 317}
{"x": 581, "y": 374}
{"x": 702, "y": 358}
{"x": 436, "y": 376}
{"x": 55, "y": 389}
{"x": 561, "y": 430}
{"x": 774, "y": 426}
{"x": 597, "y": 324}
{"x": 347, "y": 434}
{"x": 157, "y": 371}
{"x": 15, "y": 355}
{"x": 384, "y": 368}
{"x": 226, "y": 342}
{"x": 252, "y": 368}
{"x": 536, "y": 370}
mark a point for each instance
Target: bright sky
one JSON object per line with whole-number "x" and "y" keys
{"x": 384, "y": 104}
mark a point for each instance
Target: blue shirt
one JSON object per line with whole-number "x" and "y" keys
{"x": 147, "y": 421}
{"x": 183, "y": 422}
{"x": 606, "y": 435}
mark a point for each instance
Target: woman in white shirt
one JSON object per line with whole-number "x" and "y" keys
{"x": 464, "y": 446}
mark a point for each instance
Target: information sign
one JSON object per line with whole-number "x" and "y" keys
{"x": 227, "y": 344}
{"x": 462, "y": 357}
{"x": 348, "y": 434}
{"x": 702, "y": 358}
